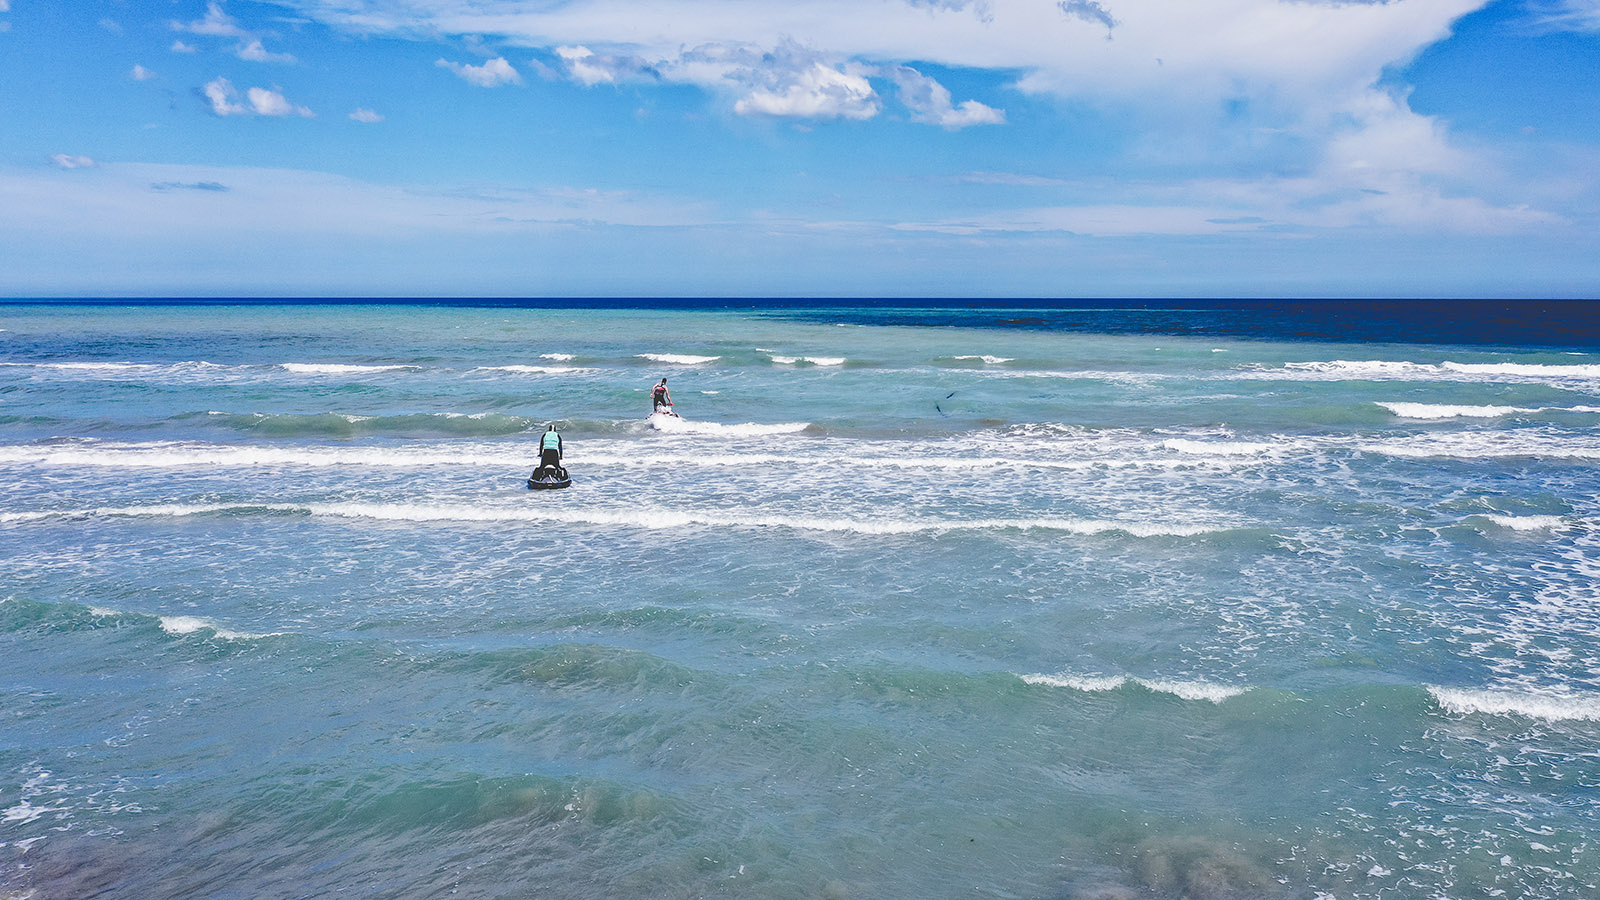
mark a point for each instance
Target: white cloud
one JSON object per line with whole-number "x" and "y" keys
{"x": 1290, "y": 64}
{"x": 261, "y": 101}
{"x": 215, "y": 23}
{"x": 583, "y": 71}
{"x": 1089, "y": 11}
{"x": 5, "y": 5}
{"x": 224, "y": 99}
{"x": 366, "y": 116}
{"x": 491, "y": 74}
{"x": 589, "y": 68}
{"x": 253, "y": 51}
{"x": 111, "y": 25}
{"x": 181, "y": 47}
{"x": 140, "y": 73}
{"x": 816, "y": 91}
{"x": 67, "y": 161}
{"x": 272, "y": 103}
{"x": 929, "y": 101}
{"x": 1575, "y": 15}
{"x": 1279, "y": 84}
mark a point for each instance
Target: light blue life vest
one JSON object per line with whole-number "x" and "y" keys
{"x": 551, "y": 441}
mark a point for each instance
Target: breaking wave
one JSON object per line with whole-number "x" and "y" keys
{"x": 1552, "y": 707}
{"x": 1185, "y": 690}
{"x": 678, "y": 359}
{"x": 647, "y": 518}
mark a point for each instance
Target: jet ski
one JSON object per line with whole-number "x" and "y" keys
{"x": 549, "y": 478}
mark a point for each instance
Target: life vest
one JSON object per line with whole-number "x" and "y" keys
{"x": 661, "y": 393}
{"x": 550, "y": 441}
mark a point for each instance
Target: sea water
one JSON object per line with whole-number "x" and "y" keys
{"x": 898, "y": 608}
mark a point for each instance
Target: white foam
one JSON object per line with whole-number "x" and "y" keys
{"x": 678, "y": 359}
{"x": 1221, "y": 448}
{"x": 660, "y": 518}
{"x": 26, "y": 812}
{"x": 1091, "y": 684}
{"x": 810, "y": 359}
{"x": 539, "y": 370}
{"x": 1193, "y": 690}
{"x": 142, "y": 370}
{"x": 1481, "y": 445}
{"x": 338, "y": 368}
{"x": 1442, "y": 411}
{"x": 989, "y": 360}
{"x": 1184, "y": 690}
{"x": 1527, "y": 523}
{"x": 116, "y": 367}
{"x": 911, "y": 461}
{"x": 1391, "y": 370}
{"x": 1526, "y": 370}
{"x": 560, "y": 357}
{"x": 178, "y": 455}
{"x": 646, "y": 518}
{"x": 181, "y": 625}
{"x": 1553, "y": 707}
{"x": 662, "y": 422}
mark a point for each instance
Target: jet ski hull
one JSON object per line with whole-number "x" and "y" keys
{"x": 546, "y": 480}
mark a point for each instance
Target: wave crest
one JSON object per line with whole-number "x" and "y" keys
{"x": 1551, "y": 707}
{"x": 1184, "y": 690}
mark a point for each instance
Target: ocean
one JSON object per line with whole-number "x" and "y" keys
{"x": 1052, "y": 602}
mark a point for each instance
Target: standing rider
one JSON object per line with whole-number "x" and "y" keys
{"x": 550, "y": 449}
{"x": 661, "y": 399}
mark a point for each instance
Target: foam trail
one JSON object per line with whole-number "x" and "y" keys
{"x": 179, "y": 456}
{"x": 176, "y": 510}
{"x": 989, "y": 360}
{"x": 673, "y": 518}
{"x": 651, "y": 519}
{"x": 1484, "y": 445}
{"x": 907, "y": 462}
{"x": 1184, "y": 690}
{"x": 813, "y": 360}
{"x": 1400, "y": 370}
{"x": 1223, "y": 448}
{"x": 747, "y": 429}
{"x": 678, "y": 359}
{"x": 1443, "y": 411}
{"x": 181, "y": 625}
{"x": 1547, "y": 706}
{"x": 339, "y": 368}
{"x": 540, "y": 370}
{"x": 1527, "y": 523}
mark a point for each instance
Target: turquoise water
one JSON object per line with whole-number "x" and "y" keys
{"x": 891, "y": 612}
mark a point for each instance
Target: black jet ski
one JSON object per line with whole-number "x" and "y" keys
{"x": 549, "y": 478}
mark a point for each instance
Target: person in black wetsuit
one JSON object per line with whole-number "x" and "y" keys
{"x": 660, "y": 399}
{"x": 550, "y": 449}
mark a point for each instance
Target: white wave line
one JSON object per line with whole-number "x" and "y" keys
{"x": 646, "y": 519}
{"x": 1185, "y": 690}
{"x": 1555, "y": 707}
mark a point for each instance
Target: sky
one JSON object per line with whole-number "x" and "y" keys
{"x": 792, "y": 148}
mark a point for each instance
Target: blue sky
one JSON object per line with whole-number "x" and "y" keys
{"x": 1049, "y": 148}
